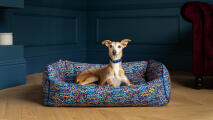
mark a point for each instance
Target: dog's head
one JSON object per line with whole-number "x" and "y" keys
{"x": 116, "y": 48}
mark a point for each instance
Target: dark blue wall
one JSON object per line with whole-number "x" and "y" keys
{"x": 156, "y": 28}
{"x": 12, "y": 66}
{"x": 12, "y": 62}
{"x": 73, "y": 29}
{"x": 12, "y": 3}
{"x": 49, "y": 30}
{"x": 59, "y": 4}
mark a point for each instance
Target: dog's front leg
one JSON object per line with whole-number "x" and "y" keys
{"x": 111, "y": 83}
{"x": 126, "y": 80}
{"x": 108, "y": 81}
{"x": 88, "y": 80}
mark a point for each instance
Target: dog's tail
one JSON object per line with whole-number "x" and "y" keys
{"x": 87, "y": 77}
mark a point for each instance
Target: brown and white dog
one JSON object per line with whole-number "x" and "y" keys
{"x": 113, "y": 74}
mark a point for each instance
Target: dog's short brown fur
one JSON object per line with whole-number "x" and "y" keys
{"x": 113, "y": 74}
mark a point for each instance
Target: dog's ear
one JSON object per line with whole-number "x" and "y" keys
{"x": 124, "y": 42}
{"x": 107, "y": 43}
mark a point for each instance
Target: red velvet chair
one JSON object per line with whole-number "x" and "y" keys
{"x": 201, "y": 16}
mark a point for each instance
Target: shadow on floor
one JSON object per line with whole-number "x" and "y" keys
{"x": 188, "y": 80}
{"x": 33, "y": 93}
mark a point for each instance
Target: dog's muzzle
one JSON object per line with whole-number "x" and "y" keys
{"x": 113, "y": 52}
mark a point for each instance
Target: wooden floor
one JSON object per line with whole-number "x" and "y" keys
{"x": 25, "y": 103}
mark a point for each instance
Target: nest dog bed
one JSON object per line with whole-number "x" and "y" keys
{"x": 150, "y": 79}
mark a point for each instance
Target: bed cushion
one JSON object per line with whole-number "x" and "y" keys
{"x": 150, "y": 79}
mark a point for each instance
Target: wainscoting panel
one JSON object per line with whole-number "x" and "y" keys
{"x": 108, "y": 5}
{"x": 60, "y": 4}
{"x": 12, "y": 3}
{"x": 159, "y": 34}
{"x": 36, "y": 63}
{"x": 39, "y": 30}
{"x": 154, "y": 30}
{"x": 9, "y": 52}
{"x": 12, "y": 66}
{"x": 49, "y": 34}
{"x": 69, "y": 29}
{"x": 12, "y": 73}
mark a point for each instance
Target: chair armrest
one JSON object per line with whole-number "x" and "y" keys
{"x": 195, "y": 13}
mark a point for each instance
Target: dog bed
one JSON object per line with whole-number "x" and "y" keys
{"x": 150, "y": 79}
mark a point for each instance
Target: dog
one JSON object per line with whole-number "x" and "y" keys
{"x": 112, "y": 74}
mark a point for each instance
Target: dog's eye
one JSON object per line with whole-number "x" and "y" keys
{"x": 110, "y": 46}
{"x": 119, "y": 46}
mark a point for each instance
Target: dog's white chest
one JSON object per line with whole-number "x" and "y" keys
{"x": 116, "y": 69}
{"x": 116, "y": 78}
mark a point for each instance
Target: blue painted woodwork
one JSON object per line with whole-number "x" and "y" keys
{"x": 9, "y": 52}
{"x": 59, "y": 4}
{"x": 36, "y": 64}
{"x": 106, "y": 5}
{"x": 73, "y": 29}
{"x": 140, "y": 28}
{"x": 48, "y": 27}
{"x": 48, "y": 34}
{"x": 12, "y": 66}
{"x": 159, "y": 34}
{"x": 12, "y": 73}
{"x": 12, "y": 3}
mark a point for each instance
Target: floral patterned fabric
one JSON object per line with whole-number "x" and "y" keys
{"x": 150, "y": 79}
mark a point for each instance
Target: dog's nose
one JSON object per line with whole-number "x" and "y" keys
{"x": 114, "y": 52}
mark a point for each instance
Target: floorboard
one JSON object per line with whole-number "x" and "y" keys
{"x": 25, "y": 103}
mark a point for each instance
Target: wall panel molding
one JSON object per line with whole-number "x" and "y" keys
{"x": 103, "y": 5}
{"x": 13, "y": 73}
{"x": 66, "y": 35}
{"x": 156, "y": 33}
{"x": 12, "y": 66}
{"x": 36, "y": 63}
{"x": 47, "y": 33}
{"x": 12, "y": 3}
{"x": 12, "y": 62}
{"x": 59, "y": 4}
{"x": 107, "y": 27}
